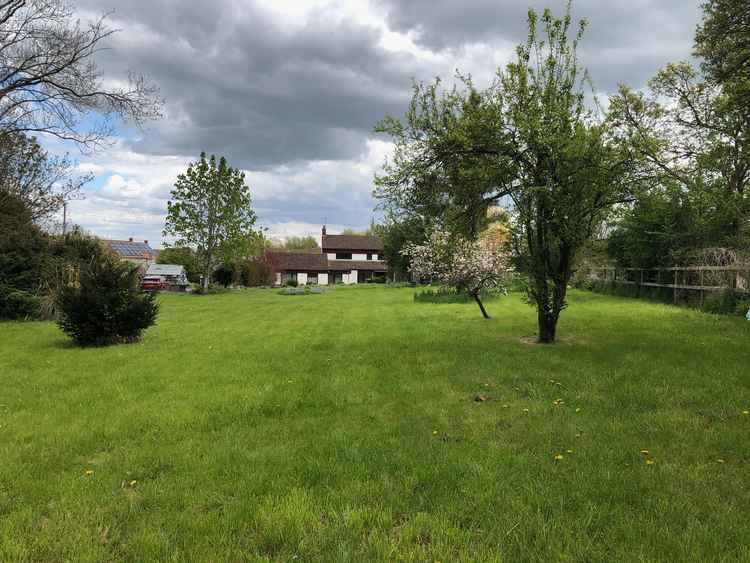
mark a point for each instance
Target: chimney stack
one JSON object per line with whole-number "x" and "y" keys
{"x": 324, "y": 230}
{"x": 145, "y": 241}
{"x": 130, "y": 239}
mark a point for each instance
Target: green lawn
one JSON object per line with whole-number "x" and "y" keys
{"x": 343, "y": 427}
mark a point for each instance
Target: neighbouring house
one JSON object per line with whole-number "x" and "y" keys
{"x": 133, "y": 251}
{"x": 173, "y": 276}
{"x": 347, "y": 259}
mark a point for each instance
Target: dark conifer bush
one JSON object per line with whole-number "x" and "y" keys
{"x": 107, "y": 305}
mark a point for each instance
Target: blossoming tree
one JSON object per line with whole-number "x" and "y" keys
{"x": 466, "y": 265}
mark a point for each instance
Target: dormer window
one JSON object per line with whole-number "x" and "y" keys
{"x": 343, "y": 256}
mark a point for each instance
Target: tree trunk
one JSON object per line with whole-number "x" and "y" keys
{"x": 206, "y": 274}
{"x": 547, "y": 327}
{"x": 481, "y": 306}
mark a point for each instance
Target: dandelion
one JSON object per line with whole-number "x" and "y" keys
{"x": 650, "y": 462}
{"x": 578, "y": 409}
{"x": 558, "y": 457}
{"x": 645, "y": 452}
{"x": 88, "y": 472}
{"x": 719, "y": 460}
{"x": 569, "y": 451}
{"x": 746, "y": 413}
{"x": 434, "y": 432}
{"x": 525, "y": 410}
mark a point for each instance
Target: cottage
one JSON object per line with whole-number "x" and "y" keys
{"x": 347, "y": 259}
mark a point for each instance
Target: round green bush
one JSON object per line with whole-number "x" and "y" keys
{"x": 107, "y": 305}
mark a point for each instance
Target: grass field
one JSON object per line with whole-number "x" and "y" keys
{"x": 344, "y": 427}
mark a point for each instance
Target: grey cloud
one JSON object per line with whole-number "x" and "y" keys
{"x": 626, "y": 41}
{"x": 239, "y": 84}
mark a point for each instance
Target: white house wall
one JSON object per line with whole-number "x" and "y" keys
{"x": 322, "y": 279}
{"x": 302, "y": 279}
{"x": 332, "y": 256}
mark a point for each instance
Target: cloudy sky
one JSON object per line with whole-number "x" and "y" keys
{"x": 289, "y": 91}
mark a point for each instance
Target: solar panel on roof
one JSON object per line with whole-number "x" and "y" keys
{"x": 130, "y": 248}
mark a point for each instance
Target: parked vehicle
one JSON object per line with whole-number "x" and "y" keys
{"x": 153, "y": 283}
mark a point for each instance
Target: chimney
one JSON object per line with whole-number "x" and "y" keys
{"x": 324, "y": 230}
{"x": 145, "y": 241}
{"x": 130, "y": 239}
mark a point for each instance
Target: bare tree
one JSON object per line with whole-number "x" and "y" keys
{"x": 50, "y": 82}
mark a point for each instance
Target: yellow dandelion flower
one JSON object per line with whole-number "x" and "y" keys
{"x": 719, "y": 460}
{"x": 645, "y": 452}
{"x": 569, "y": 451}
{"x": 525, "y": 410}
{"x": 558, "y": 457}
{"x": 133, "y": 482}
{"x": 505, "y": 406}
{"x": 650, "y": 462}
{"x": 745, "y": 412}
{"x": 578, "y": 410}
{"x": 434, "y": 432}
{"x": 88, "y": 472}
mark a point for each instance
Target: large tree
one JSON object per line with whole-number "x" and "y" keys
{"x": 45, "y": 182}
{"x": 49, "y": 79}
{"x": 687, "y": 130}
{"x": 210, "y": 210}
{"x": 530, "y": 137}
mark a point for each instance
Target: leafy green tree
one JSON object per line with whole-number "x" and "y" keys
{"x": 23, "y": 248}
{"x": 300, "y": 243}
{"x": 453, "y": 159}
{"x": 686, "y": 131}
{"x": 223, "y": 274}
{"x": 210, "y": 210}
{"x": 183, "y": 256}
{"x": 397, "y": 234}
{"x": 530, "y": 137}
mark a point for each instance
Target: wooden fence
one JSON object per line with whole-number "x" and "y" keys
{"x": 698, "y": 279}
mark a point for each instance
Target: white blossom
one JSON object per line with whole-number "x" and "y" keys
{"x": 466, "y": 265}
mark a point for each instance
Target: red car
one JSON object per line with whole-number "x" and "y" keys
{"x": 152, "y": 284}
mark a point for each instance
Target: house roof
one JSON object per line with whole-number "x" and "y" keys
{"x": 298, "y": 260}
{"x": 131, "y": 249}
{"x": 365, "y": 265}
{"x": 165, "y": 270}
{"x": 351, "y": 242}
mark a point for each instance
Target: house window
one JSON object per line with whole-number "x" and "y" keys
{"x": 290, "y": 276}
{"x": 369, "y": 256}
{"x": 343, "y": 256}
{"x": 312, "y": 278}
